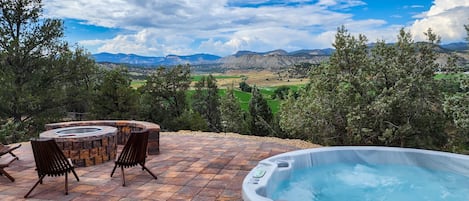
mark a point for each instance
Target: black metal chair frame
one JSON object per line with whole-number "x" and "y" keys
{"x": 134, "y": 153}
{"x": 50, "y": 161}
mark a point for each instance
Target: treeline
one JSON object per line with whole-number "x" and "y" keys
{"x": 386, "y": 95}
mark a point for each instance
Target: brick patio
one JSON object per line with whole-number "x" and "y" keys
{"x": 188, "y": 168}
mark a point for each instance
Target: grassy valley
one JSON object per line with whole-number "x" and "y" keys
{"x": 266, "y": 81}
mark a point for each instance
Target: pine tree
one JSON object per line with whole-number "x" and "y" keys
{"x": 232, "y": 116}
{"x": 164, "y": 96}
{"x": 115, "y": 98}
{"x": 38, "y": 70}
{"x": 29, "y": 71}
{"x": 206, "y": 101}
{"x": 261, "y": 115}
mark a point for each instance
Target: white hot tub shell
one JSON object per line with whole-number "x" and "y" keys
{"x": 262, "y": 180}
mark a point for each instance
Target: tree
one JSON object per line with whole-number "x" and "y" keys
{"x": 82, "y": 78}
{"x": 456, "y": 105}
{"x": 29, "y": 51}
{"x": 408, "y": 106}
{"x": 233, "y": 118}
{"x": 281, "y": 92}
{"x": 115, "y": 98}
{"x": 261, "y": 115}
{"x": 245, "y": 86}
{"x": 206, "y": 101}
{"x": 386, "y": 96}
{"x": 37, "y": 68}
{"x": 164, "y": 96}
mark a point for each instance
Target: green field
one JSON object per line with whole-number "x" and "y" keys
{"x": 245, "y": 97}
{"x": 137, "y": 83}
{"x": 195, "y": 78}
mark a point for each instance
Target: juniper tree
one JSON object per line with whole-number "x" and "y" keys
{"x": 164, "y": 96}
{"x": 206, "y": 101}
{"x": 386, "y": 96}
{"x": 115, "y": 98}
{"x": 260, "y": 113}
{"x": 456, "y": 105}
{"x": 232, "y": 118}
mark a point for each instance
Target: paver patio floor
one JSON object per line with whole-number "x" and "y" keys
{"x": 188, "y": 168}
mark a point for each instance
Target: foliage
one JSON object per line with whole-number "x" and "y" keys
{"x": 456, "y": 105}
{"x": 233, "y": 119}
{"x": 115, "y": 98}
{"x": 384, "y": 97}
{"x": 261, "y": 115}
{"x": 245, "y": 87}
{"x": 281, "y": 92}
{"x": 164, "y": 95}
{"x": 11, "y": 132}
{"x": 189, "y": 120}
{"x": 301, "y": 70}
{"x": 206, "y": 102}
{"x": 29, "y": 52}
{"x": 82, "y": 77}
{"x": 38, "y": 71}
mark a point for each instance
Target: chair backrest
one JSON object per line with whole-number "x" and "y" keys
{"x": 135, "y": 150}
{"x": 49, "y": 159}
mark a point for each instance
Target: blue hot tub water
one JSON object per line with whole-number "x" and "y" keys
{"x": 359, "y": 174}
{"x": 362, "y": 182}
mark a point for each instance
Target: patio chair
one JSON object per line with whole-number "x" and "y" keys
{"x": 50, "y": 161}
{"x": 134, "y": 153}
{"x": 6, "y": 149}
{"x": 6, "y": 160}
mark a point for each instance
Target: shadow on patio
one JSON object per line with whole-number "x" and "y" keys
{"x": 189, "y": 167}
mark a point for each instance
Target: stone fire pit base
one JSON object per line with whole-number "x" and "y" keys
{"x": 124, "y": 128}
{"x": 85, "y": 145}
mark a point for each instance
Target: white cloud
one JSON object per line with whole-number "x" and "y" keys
{"x": 446, "y": 18}
{"x": 341, "y": 4}
{"x": 181, "y": 27}
{"x": 92, "y": 42}
{"x": 187, "y": 26}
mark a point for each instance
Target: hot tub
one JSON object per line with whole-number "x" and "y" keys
{"x": 85, "y": 145}
{"x": 318, "y": 174}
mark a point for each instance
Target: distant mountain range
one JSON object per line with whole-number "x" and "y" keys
{"x": 245, "y": 59}
{"x": 134, "y": 59}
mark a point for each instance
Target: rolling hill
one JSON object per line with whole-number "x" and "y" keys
{"x": 245, "y": 60}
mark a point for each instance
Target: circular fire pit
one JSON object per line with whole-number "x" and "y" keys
{"x": 85, "y": 145}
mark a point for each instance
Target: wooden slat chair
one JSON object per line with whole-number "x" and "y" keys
{"x": 134, "y": 153}
{"x": 50, "y": 161}
{"x": 6, "y": 149}
{"x": 6, "y": 158}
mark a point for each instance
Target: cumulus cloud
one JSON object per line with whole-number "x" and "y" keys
{"x": 182, "y": 26}
{"x": 446, "y": 18}
{"x": 220, "y": 27}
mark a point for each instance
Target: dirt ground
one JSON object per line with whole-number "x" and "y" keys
{"x": 258, "y": 78}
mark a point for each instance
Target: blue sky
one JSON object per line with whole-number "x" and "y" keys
{"x": 222, "y": 27}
